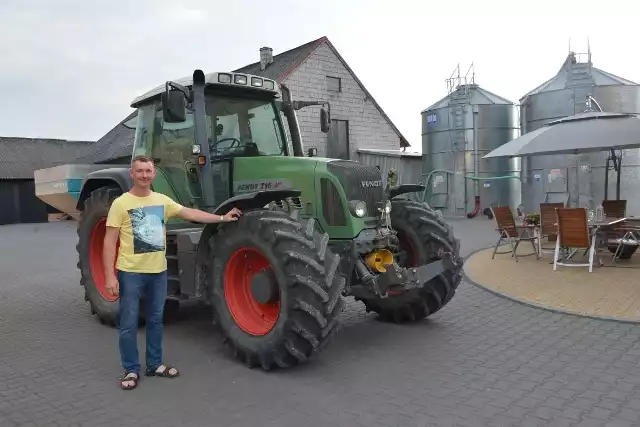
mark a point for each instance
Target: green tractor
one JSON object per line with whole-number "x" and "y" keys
{"x": 314, "y": 230}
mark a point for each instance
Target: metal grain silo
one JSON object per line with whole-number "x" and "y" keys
{"x": 578, "y": 179}
{"x": 456, "y": 132}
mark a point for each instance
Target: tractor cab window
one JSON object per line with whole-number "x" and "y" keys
{"x": 172, "y": 149}
{"x": 244, "y": 127}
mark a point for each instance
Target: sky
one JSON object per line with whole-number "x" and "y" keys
{"x": 70, "y": 68}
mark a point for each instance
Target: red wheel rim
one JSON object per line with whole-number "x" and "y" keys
{"x": 407, "y": 246}
{"x": 96, "y": 245}
{"x": 251, "y": 316}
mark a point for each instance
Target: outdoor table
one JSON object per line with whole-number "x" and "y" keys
{"x": 527, "y": 228}
{"x": 627, "y": 250}
{"x": 531, "y": 230}
{"x": 594, "y": 226}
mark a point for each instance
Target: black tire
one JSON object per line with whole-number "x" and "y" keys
{"x": 429, "y": 235}
{"x": 309, "y": 286}
{"x": 96, "y": 209}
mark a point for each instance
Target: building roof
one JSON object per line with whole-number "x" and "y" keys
{"x": 287, "y": 62}
{"x": 574, "y": 73}
{"x": 283, "y": 63}
{"x": 19, "y": 157}
{"x": 115, "y": 144}
{"x": 389, "y": 153}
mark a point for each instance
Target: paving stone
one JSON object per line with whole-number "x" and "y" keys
{"x": 619, "y": 423}
{"x": 481, "y": 361}
{"x": 561, "y": 422}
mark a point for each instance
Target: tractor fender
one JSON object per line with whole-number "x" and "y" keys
{"x": 101, "y": 178}
{"x": 397, "y": 190}
{"x": 244, "y": 202}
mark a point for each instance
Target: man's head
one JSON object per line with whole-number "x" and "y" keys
{"x": 142, "y": 171}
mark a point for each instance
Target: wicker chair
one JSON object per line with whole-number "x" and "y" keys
{"x": 573, "y": 232}
{"x": 506, "y": 227}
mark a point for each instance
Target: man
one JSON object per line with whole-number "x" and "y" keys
{"x": 137, "y": 218}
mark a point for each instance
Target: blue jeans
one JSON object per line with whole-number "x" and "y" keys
{"x": 132, "y": 287}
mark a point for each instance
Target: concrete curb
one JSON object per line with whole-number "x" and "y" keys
{"x": 551, "y": 309}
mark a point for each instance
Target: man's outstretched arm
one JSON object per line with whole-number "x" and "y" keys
{"x": 196, "y": 215}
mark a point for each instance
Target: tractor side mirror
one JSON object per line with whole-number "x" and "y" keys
{"x": 174, "y": 107}
{"x": 325, "y": 120}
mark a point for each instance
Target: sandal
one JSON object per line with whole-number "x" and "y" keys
{"x": 129, "y": 377}
{"x": 160, "y": 372}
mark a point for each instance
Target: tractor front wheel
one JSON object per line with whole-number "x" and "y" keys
{"x": 276, "y": 290}
{"x": 423, "y": 236}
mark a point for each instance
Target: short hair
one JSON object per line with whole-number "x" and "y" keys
{"x": 143, "y": 158}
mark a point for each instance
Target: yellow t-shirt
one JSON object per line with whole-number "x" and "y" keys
{"x": 141, "y": 221}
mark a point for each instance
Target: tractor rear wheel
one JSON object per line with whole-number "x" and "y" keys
{"x": 423, "y": 236}
{"x": 276, "y": 289}
{"x": 91, "y": 231}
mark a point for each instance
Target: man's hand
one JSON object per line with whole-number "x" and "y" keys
{"x": 233, "y": 215}
{"x": 112, "y": 285}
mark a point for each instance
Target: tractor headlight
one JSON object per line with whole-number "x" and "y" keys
{"x": 387, "y": 207}
{"x": 358, "y": 207}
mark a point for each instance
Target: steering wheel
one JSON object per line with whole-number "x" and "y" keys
{"x": 228, "y": 139}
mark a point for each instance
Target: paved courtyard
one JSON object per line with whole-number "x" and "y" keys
{"x": 481, "y": 361}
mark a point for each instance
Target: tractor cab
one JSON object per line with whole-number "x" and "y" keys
{"x": 193, "y": 127}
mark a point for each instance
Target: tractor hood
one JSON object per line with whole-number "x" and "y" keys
{"x": 274, "y": 173}
{"x": 327, "y": 187}
{"x": 281, "y": 173}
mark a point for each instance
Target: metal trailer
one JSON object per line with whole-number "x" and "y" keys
{"x": 578, "y": 180}
{"x": 456, "y": 132}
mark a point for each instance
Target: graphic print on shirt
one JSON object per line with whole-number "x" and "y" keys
{"x": 147, "y": 224}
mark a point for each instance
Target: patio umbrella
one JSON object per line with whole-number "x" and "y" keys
{"x": 581, "y": 133}
{"x": 577, "y": 134}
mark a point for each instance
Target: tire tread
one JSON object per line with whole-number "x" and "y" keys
{"x": 314, "y": 287}
{"x": 436, "y": 235}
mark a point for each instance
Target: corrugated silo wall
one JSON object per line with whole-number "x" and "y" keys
{"x": 579, "y": 179}
{"x": 408, "y": 167}
{"x": 486, "y": 127}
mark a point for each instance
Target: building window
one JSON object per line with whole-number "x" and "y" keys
{"x": 334, "y": 84}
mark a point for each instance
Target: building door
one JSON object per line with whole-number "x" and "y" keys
{"x": 338, "y": 140}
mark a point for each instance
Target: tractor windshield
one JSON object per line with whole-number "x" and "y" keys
{"x": 238, "y": 126}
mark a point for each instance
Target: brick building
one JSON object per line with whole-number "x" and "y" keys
{"x": 316, "y": 71}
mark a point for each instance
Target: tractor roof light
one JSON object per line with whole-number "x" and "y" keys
{"x": 256, "y": 81}
{"x": 224, "y": 78}
{"x": 240, "y": 80}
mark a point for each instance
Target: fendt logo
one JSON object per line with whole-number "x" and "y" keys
{"x": 367, "y": 184}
